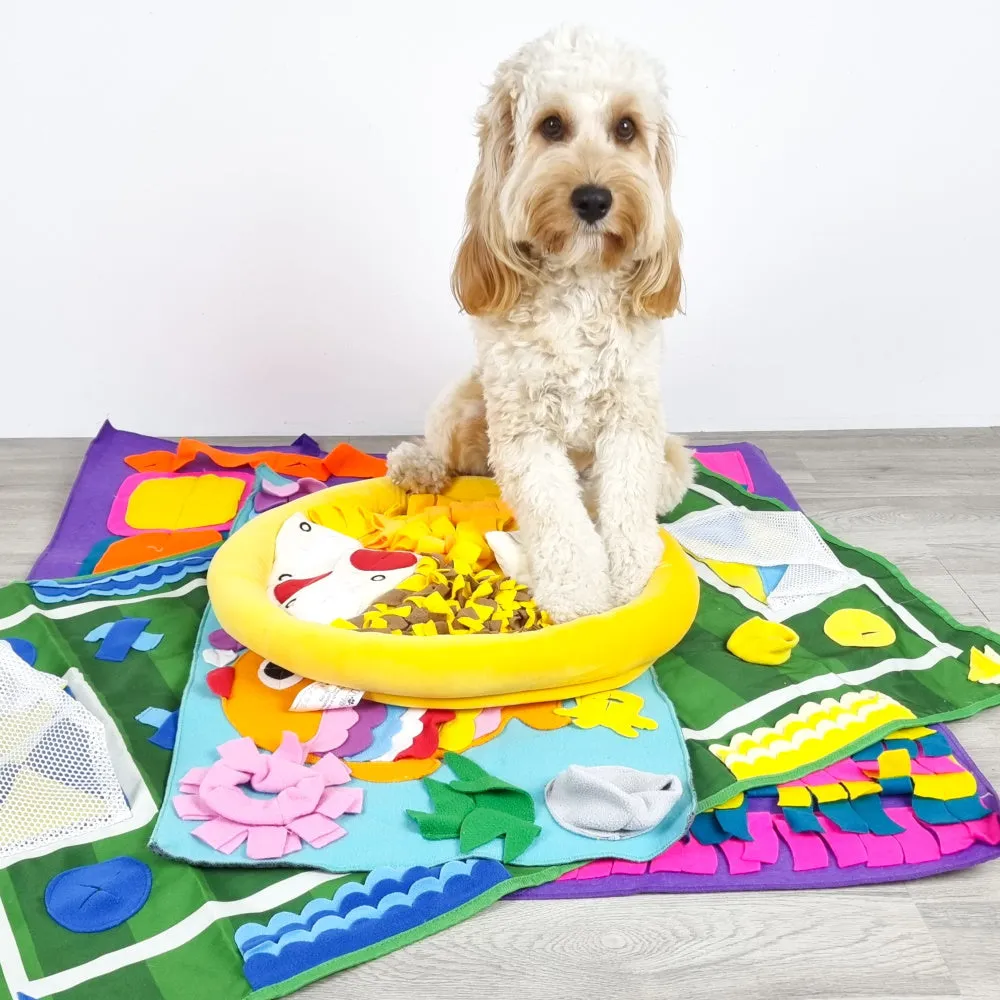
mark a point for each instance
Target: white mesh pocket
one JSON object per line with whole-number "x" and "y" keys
{"x": 56, "y": 775}
{"x": 765, "y": 538}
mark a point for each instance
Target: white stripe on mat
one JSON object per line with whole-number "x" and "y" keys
{"x": 58, "y": 611}
{"x": 173, "y": 937}
{"x": 753, "y": 710}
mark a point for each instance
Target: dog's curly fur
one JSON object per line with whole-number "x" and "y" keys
{"x": 564, "y": 405}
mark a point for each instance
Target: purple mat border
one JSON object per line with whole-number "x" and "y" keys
{"x": 780, "y": 875}
{"x": 84, "y": 518}
{"x": 766, "y": 481}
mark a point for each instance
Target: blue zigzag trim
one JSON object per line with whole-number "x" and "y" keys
{"x": 125, "y": 583}
{"x": 389, "y": 902}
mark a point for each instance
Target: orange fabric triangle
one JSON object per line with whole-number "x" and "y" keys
{"x": 346, "y": 460}
{"x": 152, "y": 546}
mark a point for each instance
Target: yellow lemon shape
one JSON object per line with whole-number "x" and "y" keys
{"x": 758, "y": 641}
{"x": 984, "y": 667}
{"x": 856, "y": 627}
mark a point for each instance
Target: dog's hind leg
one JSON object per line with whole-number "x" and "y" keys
{"x": 677, "y": 475}
{"x": 455, "y": 442}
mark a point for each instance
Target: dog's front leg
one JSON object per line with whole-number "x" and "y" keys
{"x": 568, "y": 564}
{"x": 628, "y": 467}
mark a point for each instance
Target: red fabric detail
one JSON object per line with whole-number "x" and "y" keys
{"x": 373, "y": 560}
{"x": 289, "y": 588}
{"x": 220, "y": 681}
{"x": 427, "y": 741}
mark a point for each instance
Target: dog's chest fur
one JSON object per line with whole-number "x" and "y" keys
{"x": 568, "y": 361}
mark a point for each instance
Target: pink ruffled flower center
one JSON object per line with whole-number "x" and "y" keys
{"x": 304, "y": 804}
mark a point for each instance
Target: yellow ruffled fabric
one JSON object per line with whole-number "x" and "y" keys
{"x": 441, "y": 599}
{"x": 453, "y": 530}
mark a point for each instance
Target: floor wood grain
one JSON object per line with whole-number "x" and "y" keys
{"x": 929, "y": 501}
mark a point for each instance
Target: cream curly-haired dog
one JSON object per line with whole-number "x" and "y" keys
{"x": 569, "y": 261}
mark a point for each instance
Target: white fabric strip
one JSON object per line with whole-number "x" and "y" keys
{"x": 173, "y": 937}
{"x": 59, "y": 611}
{"x": 749, "y": 713}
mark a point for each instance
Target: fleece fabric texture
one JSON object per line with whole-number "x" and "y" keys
{"x": 611, "y": 803}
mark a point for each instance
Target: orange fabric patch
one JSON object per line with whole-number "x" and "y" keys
{"x": 539, "y": 716}
{"x": 344, "y": 460}
{"x": 153, "y": 546}
{"x": 262, "y": 713}
{"x": 392, "y": 770}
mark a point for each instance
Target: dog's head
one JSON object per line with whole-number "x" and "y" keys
{"x": 574, "y": 171}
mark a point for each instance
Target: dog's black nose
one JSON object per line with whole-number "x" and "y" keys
{"x": 591, "y": 202}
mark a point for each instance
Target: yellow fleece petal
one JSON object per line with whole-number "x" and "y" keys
{"x": 762, "y": 642}
{"x": 857, "y": 627}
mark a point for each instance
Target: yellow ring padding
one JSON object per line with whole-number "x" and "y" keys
{"x": 596, "y": 653}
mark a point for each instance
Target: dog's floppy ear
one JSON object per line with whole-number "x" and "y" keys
{"x": 485, "y": 279}
{"x": 656, "y": 284}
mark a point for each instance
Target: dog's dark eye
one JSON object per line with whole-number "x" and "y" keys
{"x": 625, "y": 130}
{"x": 552, "y": 128}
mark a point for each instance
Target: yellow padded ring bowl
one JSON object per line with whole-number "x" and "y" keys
{"x": 596, "y": 653}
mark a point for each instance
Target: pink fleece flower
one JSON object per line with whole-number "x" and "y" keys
{"x": 303, "y": 807}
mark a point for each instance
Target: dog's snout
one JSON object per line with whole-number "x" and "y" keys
{"x": 591, "y": 202}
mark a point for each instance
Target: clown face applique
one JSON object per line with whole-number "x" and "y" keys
{"x": 320, "y": 575}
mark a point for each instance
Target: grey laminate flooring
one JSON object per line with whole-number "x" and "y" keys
{"x": 930, "y": 501}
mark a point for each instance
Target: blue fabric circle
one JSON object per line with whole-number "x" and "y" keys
{"x": 98, "y": 897}
{"x": 28, "y": 651}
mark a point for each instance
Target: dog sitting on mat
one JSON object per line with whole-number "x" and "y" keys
{"x": 568, "y": 263}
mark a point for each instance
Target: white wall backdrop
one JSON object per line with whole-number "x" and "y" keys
{"x": 238, "y": 216}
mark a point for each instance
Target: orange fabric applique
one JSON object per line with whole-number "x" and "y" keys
{"x": 344, "y": 460}
{"x": 539, "y": 716}
{"x": 386, "y": 771}
{"x": 153, "y": 546}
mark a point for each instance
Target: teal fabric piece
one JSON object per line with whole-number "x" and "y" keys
{"x": 872, "y": 813}
{"x": 382, "y": 834}
{"x": 770, "y": 576}
{"x": 844, "y": 815}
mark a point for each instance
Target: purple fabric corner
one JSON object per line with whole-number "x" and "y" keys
{"x": 273, "y": 495}
{"x": 767, "y": 482}
{"x": 84, "y": 518}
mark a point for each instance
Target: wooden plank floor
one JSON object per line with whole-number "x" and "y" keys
{"x": 930, "y": 501}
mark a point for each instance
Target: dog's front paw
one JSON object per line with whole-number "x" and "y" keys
{"x": 632, "y": 557}
{"x": 676, "y": 475}
{"x": 572, "y": 599}
{"x": 414, "y": 468}
{"x": 571, "y": 581}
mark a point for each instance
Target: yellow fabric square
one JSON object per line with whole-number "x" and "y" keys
{"x": 794, "y": 795}
{"x": 829, "y": 793}
{"x": 894, "y": 764}
{"x": 183, "y": 502}
{"x": 858, "y": 788}
{"x": 911, "y": 733}
{"x": 734, "y": 803}
{"x": 944, "y": 786}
